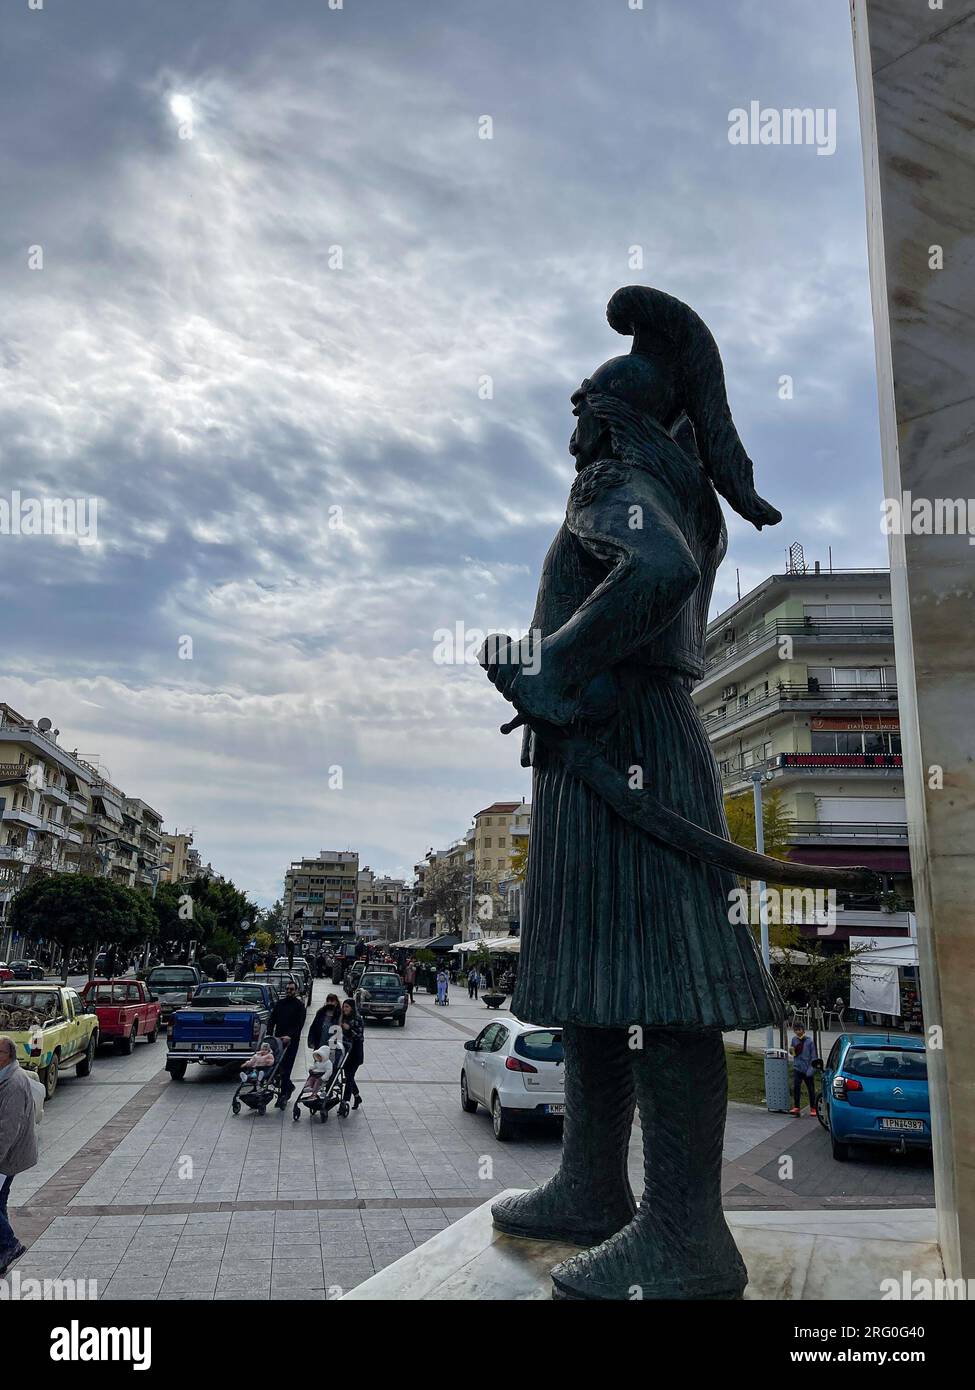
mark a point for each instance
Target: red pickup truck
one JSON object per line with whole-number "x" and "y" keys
{"x": 126, "y": 1011}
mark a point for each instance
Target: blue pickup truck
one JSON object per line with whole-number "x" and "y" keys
{"x": 222, "y": 1023}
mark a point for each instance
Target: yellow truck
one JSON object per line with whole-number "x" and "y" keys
{"x": 51, "y": 1028}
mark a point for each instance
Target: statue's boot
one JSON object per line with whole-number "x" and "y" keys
{"x": 678, "y": 1245}
{"x": 589, "y": 1198}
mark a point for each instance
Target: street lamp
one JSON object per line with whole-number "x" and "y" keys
{"x": 757, "y": 779}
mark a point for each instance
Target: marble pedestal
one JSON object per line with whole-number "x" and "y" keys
{"x": 832, "y": 1255}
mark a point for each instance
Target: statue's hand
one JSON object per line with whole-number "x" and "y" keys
{"x": 756, "y": 510}
{"x": 527, "y": 680}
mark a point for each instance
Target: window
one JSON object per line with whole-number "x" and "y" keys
{"x": 856, "y": 741}
{"x": 487, "y": 842}
{"x": 542, "y": 1045}
{"x": 485, "y": 1042}
{"x": 500, "y": 1039}
{"x": 502, "y": 841}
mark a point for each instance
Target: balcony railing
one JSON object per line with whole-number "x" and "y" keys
{"x": 848, "y": 830}
{"x": 785, "y": 695}
{"x": 845, "y": 630}
{"x": 737, "y": 771}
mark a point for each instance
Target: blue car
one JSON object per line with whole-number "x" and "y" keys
{"x": 875, "y": 1091}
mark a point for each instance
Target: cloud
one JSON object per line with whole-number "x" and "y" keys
{"x": 314, "y": 362}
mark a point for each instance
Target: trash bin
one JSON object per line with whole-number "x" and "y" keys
{"x": 777, "y": 1079}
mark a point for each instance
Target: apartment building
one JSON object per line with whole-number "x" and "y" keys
{"x": 44, "y": 794}
{"x": 485, "y": 852}
{"x": 59, "y": 813}
{"x": 800, "y": 687}
{"x": 175, "y": 851}
{"x": 320, "y": 893}
{"x": 381, "y": 906}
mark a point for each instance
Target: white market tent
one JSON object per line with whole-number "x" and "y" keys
{"x": 874, "y": 981}
{"x": 506, "y": 945}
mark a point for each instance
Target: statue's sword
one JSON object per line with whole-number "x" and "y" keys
{"x": 584, "y": 760}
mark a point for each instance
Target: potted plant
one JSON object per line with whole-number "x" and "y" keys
{"x": 493, "y": 998}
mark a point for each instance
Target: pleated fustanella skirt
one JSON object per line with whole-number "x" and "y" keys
{"x": 619, "y": 929}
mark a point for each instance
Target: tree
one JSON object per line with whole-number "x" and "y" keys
{"x": 777, "y": 826}
{"x": 445, "y": 892}
{"x": 271, "y": 920}
{"x": 81, "y": 912}
{"x": 228, "y": 907}
{"x": 519, "y": 860}
{"x": 180, "y": 919}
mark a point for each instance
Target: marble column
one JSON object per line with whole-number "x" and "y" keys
{"x": 915, "y": 62}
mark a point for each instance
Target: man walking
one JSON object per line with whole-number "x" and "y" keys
{"x": 472, "y": 982}
{"x": 18, "y": 1142}
{"x": 287, "y": 1021}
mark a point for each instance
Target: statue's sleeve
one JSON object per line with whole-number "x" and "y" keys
{"x": 625, "y": 520}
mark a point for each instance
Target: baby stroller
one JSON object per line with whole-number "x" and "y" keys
{"x": 259, "y": 1086}
{"x": 329, "y": 1094}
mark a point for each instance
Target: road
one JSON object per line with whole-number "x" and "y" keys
{"x": 156, "y": 1190}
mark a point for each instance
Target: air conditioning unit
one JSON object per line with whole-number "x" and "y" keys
{"x": 729, "y": 692}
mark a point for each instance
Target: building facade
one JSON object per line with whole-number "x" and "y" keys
{"x": 60, "y": 814}
{"x": 487, "y": 854}
{"x": 800, "y": 687}
{"x": 382, "y": 904}
{"x": 321, "y": 893}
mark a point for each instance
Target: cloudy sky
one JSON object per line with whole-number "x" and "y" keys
{"x": 279, "y": 263}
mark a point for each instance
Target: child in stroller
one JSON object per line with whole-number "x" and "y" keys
{"x": 323, "y": 1086}
{"x": 260, "y": 1082}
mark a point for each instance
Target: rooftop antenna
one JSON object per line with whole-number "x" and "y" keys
{"x": 797, "y": 559}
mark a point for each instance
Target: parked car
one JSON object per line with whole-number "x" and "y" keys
{"x": 352, "y": 976}
{"x": 382, "y": 994}
{"x": 302, "y": 973}
{"x": 875, "y": 1091}
{"x": 173, "y": 985}
{"x": 126, "y": 1010}
{"x": 516, "y": 1070}
{"x": 277, "y": 979}
{"x": 5, "y": 972}
{"x": 26, "y": 970}
{"x": 51, "y": 1028}
{"x": 224, "y": 1022}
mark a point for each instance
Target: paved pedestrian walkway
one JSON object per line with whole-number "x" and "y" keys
{"x": 156, "y": 1190}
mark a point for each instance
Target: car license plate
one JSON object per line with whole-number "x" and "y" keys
{"x": 382, "y": 1008}
{"x": 902, "y": 1124}
{"x": 555, "y": 1109}
{"x": 209, "y": 1047}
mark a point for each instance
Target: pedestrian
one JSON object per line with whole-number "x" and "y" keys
{"x": 352, "y": 1033}
{"x": 802, "y": 1069}
{"x": 472, "y": 983}
{"x": 287, "y": 1021}
{"x": 328, "y": 1018}
{"x": 19, "y": 1117}
{"x": 290, "y": 948}
{"x": 443, "y": 982}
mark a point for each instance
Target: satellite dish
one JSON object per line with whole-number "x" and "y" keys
{"x": 44, "y": 724}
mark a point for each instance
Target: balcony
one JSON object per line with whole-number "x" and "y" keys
{"x": 812, "y": 633}
{"x": 786, "y": 698}
{"x": 17, "y": 854}
{"x": 789, "y": 766}
{"x": 23, "y": 817}
{"x": 52, "y": 792}
{"x": 814, "y": 831}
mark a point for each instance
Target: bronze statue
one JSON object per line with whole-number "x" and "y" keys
{"x": 627, "y": 942}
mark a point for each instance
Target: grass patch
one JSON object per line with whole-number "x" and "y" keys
{"x": 746, "y": 1076}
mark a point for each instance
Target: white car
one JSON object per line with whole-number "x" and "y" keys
{"x": 516, "y": 1070}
